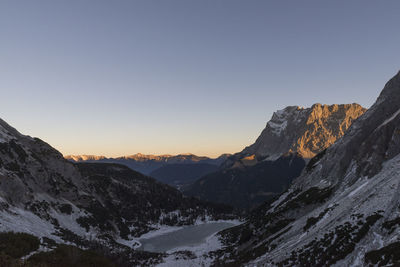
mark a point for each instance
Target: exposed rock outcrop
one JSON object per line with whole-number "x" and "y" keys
{"x": 305, "y": 131}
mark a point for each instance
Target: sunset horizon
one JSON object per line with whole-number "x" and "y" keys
{"x": 202, "y": 133}
{"x": 158, "y": 78}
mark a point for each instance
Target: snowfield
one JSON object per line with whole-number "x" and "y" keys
{"x": 200, "y": 251}
{"x": 212, "y": 243}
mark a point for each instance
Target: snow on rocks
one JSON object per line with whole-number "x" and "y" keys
{"x": 4, "y": 135}
{"x": 19, "y": 220}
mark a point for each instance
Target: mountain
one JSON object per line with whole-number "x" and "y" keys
{"x": 45, "y": 195}
{"x": 83, "y": 158}
{"x": 179, "y": 175}
{"x": 148, "y": 163}
{"x": 305, "y": 131}
{"x": 267, "y": 167}
{"x": 249, "y": 186}
{"x": 344, "y": 208}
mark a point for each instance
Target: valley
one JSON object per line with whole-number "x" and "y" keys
{"x": 85, "y": 202}
{"x": 199, "y": 133}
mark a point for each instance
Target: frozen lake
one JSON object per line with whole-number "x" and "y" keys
{"x": 186, "y": 237}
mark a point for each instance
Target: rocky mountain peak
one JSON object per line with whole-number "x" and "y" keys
{"x": 78, "y": 158}
{"x": 373, "y": 139}
{"x": 390, "y": 92}
{"x": 140, "y": 156}
{"x": 7, "y": 132}
{"x": 306, "y": 131}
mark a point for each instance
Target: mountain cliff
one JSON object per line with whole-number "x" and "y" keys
{"x": 344, "y": 208}
{"x": 305, "y": 131}
{"x": 267, "y": 167}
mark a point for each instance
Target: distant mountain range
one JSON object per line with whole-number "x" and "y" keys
{"x": 267, "y": 167}
{"x": 165, "y": 168}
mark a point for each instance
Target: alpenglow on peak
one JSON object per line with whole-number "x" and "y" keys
{"x": 306, "y": 131}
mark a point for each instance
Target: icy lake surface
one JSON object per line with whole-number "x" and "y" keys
{"x": 185, "y": 237}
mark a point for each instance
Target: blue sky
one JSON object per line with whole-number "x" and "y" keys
{"x": 121, "y": 77}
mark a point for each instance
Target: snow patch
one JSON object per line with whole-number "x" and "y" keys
{"x": 277, "y": 127}
{"x": 4, "y": 135}
{"x": 201, "y": 251}
{"x": 19, "y": 220}
{"x": 352, "y": 193}
{"x": 390, "y": 119}
{"x": 378, "y": 239}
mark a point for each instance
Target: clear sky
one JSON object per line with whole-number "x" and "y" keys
{"x": 119, "y": 77}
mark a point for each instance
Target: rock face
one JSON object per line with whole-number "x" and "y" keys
{"x": 48, "y": 196}
{"x": 305, "y": 131}
{"x": 266, "y": 168}
{"x": 344, "y": 208}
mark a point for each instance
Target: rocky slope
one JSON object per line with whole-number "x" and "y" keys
{"x": 45, "y": 195}
{"x": 344, "y": 208}
{"x": 266, "y": 168}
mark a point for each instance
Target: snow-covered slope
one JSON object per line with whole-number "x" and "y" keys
{"x": 344, "y": 210}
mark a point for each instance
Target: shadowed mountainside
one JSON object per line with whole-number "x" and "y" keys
{"x": 179, "y": 175}
{"x": 266, "y": 168}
